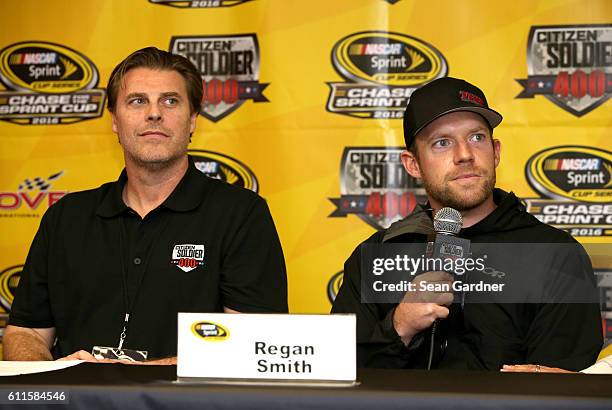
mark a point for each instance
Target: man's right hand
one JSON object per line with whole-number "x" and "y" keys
{"x": 421, "y": 308}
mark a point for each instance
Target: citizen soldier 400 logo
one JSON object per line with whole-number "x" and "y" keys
{"x": 577, "y": 180}
{"x": 202, "y": 4}
{"x": 382, "y": 70}
{"x": 188, "y": 257}
{"x": 375, "y": 186}
{"x": 570, "y": 65}
{"x": 224, "y": 168}
{"x": 48, "y": 84}
{"x": 604, "y": 282}
{"x": 230, "y": 71}
{"x": 9, "y": 280}
{"x": 30, "y": 195}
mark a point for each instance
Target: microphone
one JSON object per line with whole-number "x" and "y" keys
{"x": 445, "y": 244}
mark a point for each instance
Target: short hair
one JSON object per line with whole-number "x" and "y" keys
{"x": 153, "y": 58}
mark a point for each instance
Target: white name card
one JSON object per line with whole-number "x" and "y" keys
{"x": 219, "y": 346}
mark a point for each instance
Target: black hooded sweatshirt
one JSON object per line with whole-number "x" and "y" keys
{"x": 478, "y": 336}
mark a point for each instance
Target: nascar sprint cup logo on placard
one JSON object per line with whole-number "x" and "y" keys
{"x": 375, "y": 186}
{"x": 224, "y": 168}
{"x": 230, "y": 70}
{"x": 48, "y": 84}
{"x": 202, "y": 4}
{"x": 382, "y": 70}
{"x": 576, "y": 182}
{"x": 570, "y": 65}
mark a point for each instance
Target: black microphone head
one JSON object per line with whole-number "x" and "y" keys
{"x": 447, "y": 221}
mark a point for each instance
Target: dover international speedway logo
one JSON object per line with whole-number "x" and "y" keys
{"x": 576, "y": 183}
{"x": 32, "y": 197}
{"x": 382, "y": 70}
{"x": 201, "y": 4}
{"x": 570, "y": 65}
{"x": 48, "y": 83}
{"x": 229, "y": 66}
{"x": 376, "y": 187}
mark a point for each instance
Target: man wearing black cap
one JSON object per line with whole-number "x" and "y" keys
{"x": 448, "y": 129}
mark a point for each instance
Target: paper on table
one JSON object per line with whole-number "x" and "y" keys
{"x": 8, "y": 368}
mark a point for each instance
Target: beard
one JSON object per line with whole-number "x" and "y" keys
{"x": 458, "y": 198}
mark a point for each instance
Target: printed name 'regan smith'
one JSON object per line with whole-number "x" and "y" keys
{"x": 285, "y": 352}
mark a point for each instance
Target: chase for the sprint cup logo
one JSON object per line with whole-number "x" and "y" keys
{"x": 576, "y": 185}
{"x": 227, "y": 169}
{"x": 200, "y": 4}
{"x": 570, "y": 65}
{"x": 375, "y": 186}
{"x": 381, "y": 69}
{"x": 48, "y": 83}
{"x": 229, "y": 66}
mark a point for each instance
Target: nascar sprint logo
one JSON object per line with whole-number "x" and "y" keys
{"x": 210, "y": 331}
{"x": 48, "y": 84}
{"x": 375, "y": 186}
{"x": 382, "y": 70}
{"x": 570, "y": 65}
{"x": 202, "y": 4}
{"x": 9, "y": 279}
{"x": 224, "y": 168}
{"x": 333, "y": 286}
{"x": 229, "y": 66}
{"x": 577, "y": 184}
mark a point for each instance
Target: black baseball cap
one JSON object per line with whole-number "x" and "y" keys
{"x": 443, "y": 96}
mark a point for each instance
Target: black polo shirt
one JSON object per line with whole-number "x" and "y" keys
{"x": 209, "y": 245}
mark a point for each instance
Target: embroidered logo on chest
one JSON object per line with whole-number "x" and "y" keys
{"x": 188, "y": 257}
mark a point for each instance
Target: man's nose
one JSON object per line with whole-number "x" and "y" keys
{"x": 154, "y": 113}
{"x": 463, "y": 152}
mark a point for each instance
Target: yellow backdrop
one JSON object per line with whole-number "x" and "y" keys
{"x": 291, "y": 87}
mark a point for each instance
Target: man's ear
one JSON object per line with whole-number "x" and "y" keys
{"x": 113, "y": 122}
{"x": 496, "y": 151}
{"x": 192, "y": 123}
{"x": 411, "y": 165}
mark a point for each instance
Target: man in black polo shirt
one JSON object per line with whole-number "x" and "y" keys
{"x": 111, "y": 267}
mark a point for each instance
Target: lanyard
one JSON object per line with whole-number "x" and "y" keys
{"x": 127, "y": 304}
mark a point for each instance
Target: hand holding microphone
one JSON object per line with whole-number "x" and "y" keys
{"x": 432, "y": 294}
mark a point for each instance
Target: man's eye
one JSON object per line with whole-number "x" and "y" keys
{"x": 171, "y": 101}
{"x": 441, "y": 143}
{"x": 137, "y": 101}
{"x": 478, "y": 137}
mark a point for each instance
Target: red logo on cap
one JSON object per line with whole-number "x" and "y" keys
{"x": 469, "y": 97}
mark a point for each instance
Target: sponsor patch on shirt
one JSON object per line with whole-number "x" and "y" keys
{"x": 188, "y": 257}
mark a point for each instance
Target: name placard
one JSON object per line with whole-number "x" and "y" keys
{"x": 272, "y": 347}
